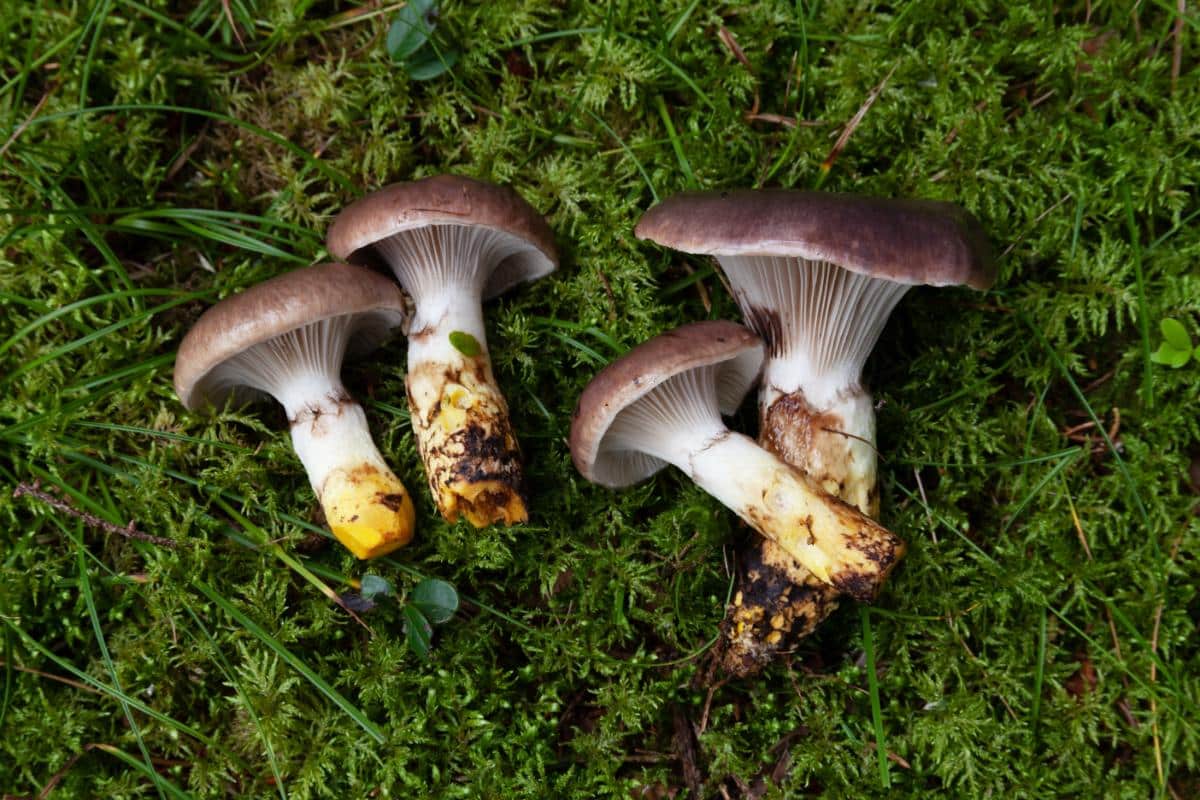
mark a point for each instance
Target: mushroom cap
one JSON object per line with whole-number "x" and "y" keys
{"x": 277, "y": 306}
{"x": 906, "y": 241}
{"x": 447, "y": 200}
{"x": 735, "y": 350}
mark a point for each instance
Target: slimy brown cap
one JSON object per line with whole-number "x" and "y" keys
{"x": 634, "y": 375}
{"x": 447, "y": 200}
{"x": 906, "y": 241}
{"x": 275, "y": 307}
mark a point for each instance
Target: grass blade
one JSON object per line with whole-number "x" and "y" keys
{"x": 295, "y": 663}
{"x": 885, "y": 777}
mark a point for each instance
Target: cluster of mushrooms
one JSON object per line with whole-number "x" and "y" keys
{"x": 816, "y": 276}
{"x": 451, "y": 243}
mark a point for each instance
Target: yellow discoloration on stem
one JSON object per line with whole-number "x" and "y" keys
{"x": 368, "y": 510}
{"x": 834, "y": 541}
{"x": 772, "y": 584}
{"x": 468, "y": 446}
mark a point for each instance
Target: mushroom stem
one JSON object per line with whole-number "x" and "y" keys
{"x": 833, "y": 443}
{"x": 679, "y": 423}
{"x": 837, "y": 544}
{"x": 778, "y": 600}
{"x": 460, "y": 417}
{"x": 365, "y": 504}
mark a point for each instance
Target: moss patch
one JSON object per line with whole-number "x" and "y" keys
{"x": 1040, "y": 637}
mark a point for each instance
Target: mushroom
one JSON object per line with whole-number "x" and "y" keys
{"x": 453, "y": 242}
{"x": 662, "y": 403}
{"x": 286, "y": 337}
{"x": 816, "y": 275}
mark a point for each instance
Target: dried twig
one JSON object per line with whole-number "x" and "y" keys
{"x": 953, "y": 134}
{"x": 187, "y": 153}
{"x": 1034, "y": 224}
{"x": 686, "y": 748}
{"x": 925, "y": 502}
{"x": 49, "y": 676}
{"x": 37, "y": 109}
{"x": 855, "y": 121}
{"x": 727, "y": 39}
{"x": 237, "y": 33}
{"x": 130, "y": 531}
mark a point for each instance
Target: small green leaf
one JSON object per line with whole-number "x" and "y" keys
{"x": 412, "y": 28}
{"x": 1170, "y": 357}
{"x": 1175, "y": 334}
{"x": 465, "y": 343}
{"x": 373, "y": 585}
{"x": 431, "y": 65}
{"x": 1196, "y": 355}
{"x": 436, "y": 599}
{"x": 418, "y": 631}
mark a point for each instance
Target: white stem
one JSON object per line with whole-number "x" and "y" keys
{"x": 329, "y": 429}
{"x": 836, "y": 543}
{"x": 459, "y": 415}
{"x": 452, "y": 309}
{"x": 746, "y": 479}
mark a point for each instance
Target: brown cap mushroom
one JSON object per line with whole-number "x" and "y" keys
{"x": 731, "y": 352}
{"x": 906, "y": 241}
{"x": 453, "y": 242}
{"x": 661, "y": 403}
{"x": 287, "y": 337}
{"x": 817, "y": 275}
{"x": 449, "y": 200}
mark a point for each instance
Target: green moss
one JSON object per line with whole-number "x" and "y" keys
{"x": 583, "y": 633}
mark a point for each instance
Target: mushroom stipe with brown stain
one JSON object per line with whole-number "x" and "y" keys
{"x": 453, "y": 242}
{"x": 286, "y": 337}
{"x": 816, "y": 275}
{"x": 662, "y": 402}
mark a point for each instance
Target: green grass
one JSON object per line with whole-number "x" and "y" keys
{"x": 153, "y": 161}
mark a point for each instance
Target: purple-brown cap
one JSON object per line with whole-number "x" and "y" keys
{"x": 734, "y": 349}
{"x": 275, "y": 307}
{"x": 906, "y": 241}
{"x": 447, "y": 200}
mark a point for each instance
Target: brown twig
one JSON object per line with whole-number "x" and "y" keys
{"x": 780, "y": 119}
{"x": 130, "y": 531}
{"x": 925, "y": 502}
{"x": 953, "y": 134}
{"x": 686, "y": 746}
{"x": 1083, "y": 540}
{"x": 237, "y": 34}
{"x": 107, "y": 748}
{"x": 608, "y": 293}
{"x": 1040, "y": 217}
{"x": 51, "y": 676}
{"x": 855, "y": 121}
{"x": 727, "y": 39}
{"x": 187, "y": 153}
{"x": 25, "y": 124}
